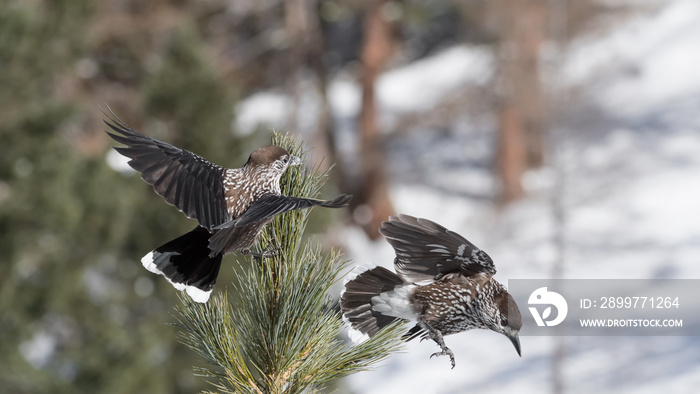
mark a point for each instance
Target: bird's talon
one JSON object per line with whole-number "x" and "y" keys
{"x": 452, "y": 358}
{"x": 446, "y": 352}
{"x": 270, "y": 251}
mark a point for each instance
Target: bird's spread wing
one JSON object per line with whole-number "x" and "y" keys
{"x": 187, "y": 181}
{"x": 425, "y": 250}
{"x": 270, "y": 205}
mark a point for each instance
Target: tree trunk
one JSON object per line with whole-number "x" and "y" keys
{"x": 522, "y": 111}
{"x": 511, "y": 152}
{"x": 296, "y": 25}
{"x": 324, "y": 154}
{"x": 373, "y": 197}
{"x": 532, "y": 30}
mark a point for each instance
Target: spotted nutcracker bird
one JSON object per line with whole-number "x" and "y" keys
{"x": 230, "y": 205}
{"x": 442, "y": 281}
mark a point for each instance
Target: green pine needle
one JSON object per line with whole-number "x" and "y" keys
{"x": 281, "y": 331}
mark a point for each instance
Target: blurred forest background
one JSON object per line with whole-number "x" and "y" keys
{"x": 77, "y": 311}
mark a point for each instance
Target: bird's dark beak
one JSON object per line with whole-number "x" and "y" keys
{"x": 295, "y": 161}
{"x": 515, "y": 339}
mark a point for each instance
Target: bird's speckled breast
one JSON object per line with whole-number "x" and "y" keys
{"x": 456, "y": 303}
{"x": 242, "y": 186}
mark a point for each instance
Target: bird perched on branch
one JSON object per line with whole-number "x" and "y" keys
{"x": 442, "y": 281}
{"x": 230, "y": 205}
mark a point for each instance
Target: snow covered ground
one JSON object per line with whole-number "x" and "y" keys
{"x": 630, "y": 190}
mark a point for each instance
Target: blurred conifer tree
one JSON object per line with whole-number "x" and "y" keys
{"x": 77, "y": 311}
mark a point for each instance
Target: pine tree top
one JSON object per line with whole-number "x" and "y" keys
{"x": 278, "y": 331}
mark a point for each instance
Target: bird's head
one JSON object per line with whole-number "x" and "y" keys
{"x": 272, "y": 159}
{"x": 507, "y": 318}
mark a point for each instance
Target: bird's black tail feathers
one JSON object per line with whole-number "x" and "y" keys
{"x": 186, "y": 263}
{"x": 356, "y": 302}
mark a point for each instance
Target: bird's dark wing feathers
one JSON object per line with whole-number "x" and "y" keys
{"x": 425, "y": 250}
{"x": 270, "y": 205}
{"x": 187, "y": 181}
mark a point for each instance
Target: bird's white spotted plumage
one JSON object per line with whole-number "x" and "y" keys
{"x": 442, "y": 282}
{"x": 227, "y": 203}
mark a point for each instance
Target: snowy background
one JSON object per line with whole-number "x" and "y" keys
{"x": 624, "y": 174}
{"x": 627, "y": 178}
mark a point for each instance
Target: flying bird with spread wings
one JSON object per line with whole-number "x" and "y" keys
{"x": 442, "y": 282}
{"x": 231, "y": 205}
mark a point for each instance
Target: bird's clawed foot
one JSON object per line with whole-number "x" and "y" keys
{"x": 446, "y": 352}
{"x": 269, "y": 251}
{"x": 436, "y": 336}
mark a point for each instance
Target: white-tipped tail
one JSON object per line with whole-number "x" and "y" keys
{"x": 148, "y": 263}
{"x": 357, "y": 304}
{"x": 356, "y": 336}
{"x": 354, "y": 273}
{"x": 197, "y": 295}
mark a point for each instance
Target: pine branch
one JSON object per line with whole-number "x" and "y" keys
{"x": 280, "y": 333}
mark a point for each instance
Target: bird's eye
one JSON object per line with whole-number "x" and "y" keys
{"x": 504, "y": 322}
{"x": 286, "y": 159}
